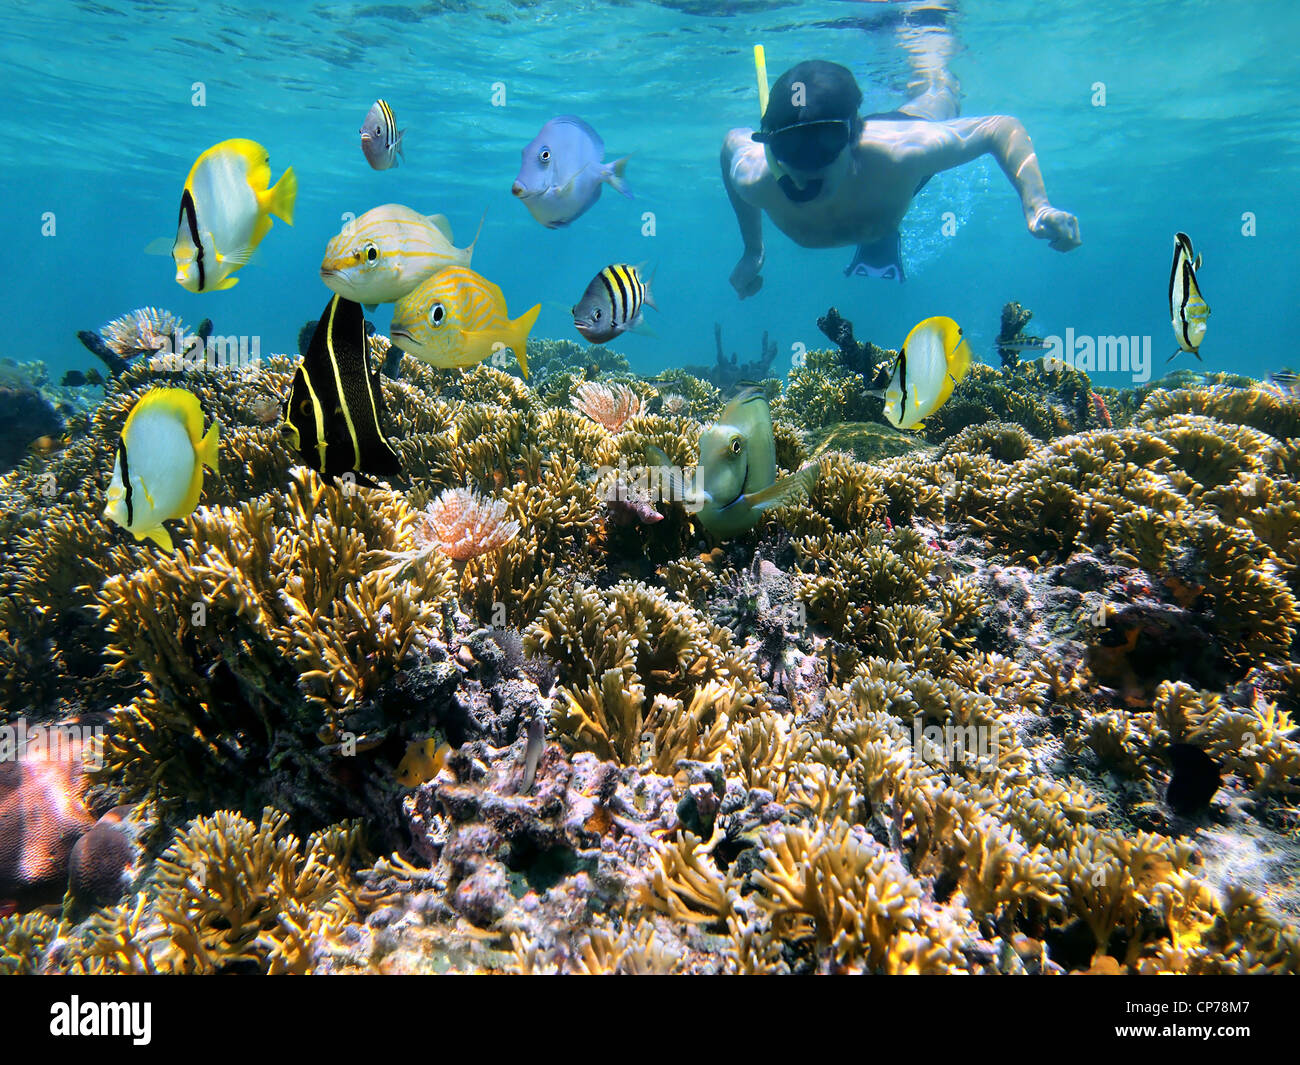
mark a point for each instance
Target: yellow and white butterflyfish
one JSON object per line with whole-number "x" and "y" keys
{"x": 932, "y": 362}
{"x": 158, "y": 474}
{"x": 387, "y": 252}
{"x": 226, "y": 210}
{"x": 1188, "y": 312}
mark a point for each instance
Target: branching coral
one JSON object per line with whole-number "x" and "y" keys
{"x": 231, "y": 896}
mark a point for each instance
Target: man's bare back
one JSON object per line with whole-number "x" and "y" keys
{"x": 864, "y": 194}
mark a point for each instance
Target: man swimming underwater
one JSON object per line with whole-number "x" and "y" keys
{"x": 829, "y": 178}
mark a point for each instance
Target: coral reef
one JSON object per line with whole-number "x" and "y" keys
{"x": 924, "y": 721}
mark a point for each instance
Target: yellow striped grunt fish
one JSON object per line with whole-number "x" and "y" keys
{"x": 459, "y": 318}
{"x": 387, "y": 252}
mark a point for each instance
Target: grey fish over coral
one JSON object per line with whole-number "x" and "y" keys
{"x": 736, "y": 480}
{"x": 335, "y": 404}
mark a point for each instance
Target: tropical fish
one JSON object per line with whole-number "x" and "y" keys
{"x": 381, "y": 140}
{"x": 735, "y": 482}
{"x": 612, "y": 303}
{"x": 934, "y": 358}
{"x": 563, "y": 170}
{"x": 387, "y": 252}
{"x": 459, "y": 318}
{"x": 335, "y": 404}
{"x": 1285, "y": 381}
{"x": 1188, "y": 311}
{"x": 533, "y": 751}
{"x": 158, "y": 474}
{"x": 422, "y": 762}
{"x": 226, "y": 210}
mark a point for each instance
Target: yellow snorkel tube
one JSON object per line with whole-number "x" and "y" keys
{"x": 760, "y": 69}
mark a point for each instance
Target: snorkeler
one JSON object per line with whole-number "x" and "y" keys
{"x": 828, "y": 177}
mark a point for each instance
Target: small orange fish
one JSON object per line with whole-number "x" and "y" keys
{"x": 423, "y": 760}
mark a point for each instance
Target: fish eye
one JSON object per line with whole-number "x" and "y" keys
{"x": 595, "y": 315}
{"x": 437, "y": 314}
{"x": 735, "y": 445}
{"x": 546, "y": 155}
{"x": 372, "y": 253}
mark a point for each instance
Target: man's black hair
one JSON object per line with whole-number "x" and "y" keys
{"x": 829, "y": 91}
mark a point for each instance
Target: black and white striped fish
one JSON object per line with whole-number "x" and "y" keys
{"x": 1188, "y": 311}
{"x": 381, "y": 140}
{"x": 612, "y": 303}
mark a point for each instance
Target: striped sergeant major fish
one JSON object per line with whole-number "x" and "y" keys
{"x": 612, "y": 303}
{"x": 1188, "y": 310}
{"x": 332, "y": 418}
{"x": 388, "y": 252}
{"x": 381, "y": 140}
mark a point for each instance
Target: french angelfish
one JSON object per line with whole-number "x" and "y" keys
{"x": 335, "y": 404}
{"x": 612, "y": 303}
{"x": 1188, "y": 311}
{"x": 736, "y": 478}
{"x": 562, "y": 172}
{"x": 226, "y": 209}
{"x": 381, "y": 140}
{"x": 158, "y": 472}
{"x": 387, "y": 252}
{"x": 459, "y": 318}
{"x": 933, "y": 360}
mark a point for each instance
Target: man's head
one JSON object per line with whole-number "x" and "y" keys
{"x": 811, "y": 117}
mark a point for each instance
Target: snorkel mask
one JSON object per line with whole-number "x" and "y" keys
{"x": 798, "y": 148}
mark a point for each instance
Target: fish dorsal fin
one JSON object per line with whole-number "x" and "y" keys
{"x": 440, "y": 223}
{"x": 574, "y": 120}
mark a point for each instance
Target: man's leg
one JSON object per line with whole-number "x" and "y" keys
{"x": 934, "y": 94}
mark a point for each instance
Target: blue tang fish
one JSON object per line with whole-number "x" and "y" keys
{"x": 562, "y": 171}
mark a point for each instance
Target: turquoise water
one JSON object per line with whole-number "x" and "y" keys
{"x": 1199, "y": 127}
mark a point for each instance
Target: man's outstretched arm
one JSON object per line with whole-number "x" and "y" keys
{"x": 745, "y": 278}
{"x": 1003, "y": 137}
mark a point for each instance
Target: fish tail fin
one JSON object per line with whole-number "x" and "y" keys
{"x": 469, "y": 251}
{"x": 960, "y": 363}
{"x": 519, "y": 330}
{"x": 208, "y": 452}
{"x": 158, "y": 535}
{"x": 281, "y": 197}
{"x": 400, "y": 150}
{"x": 646, "y": 281}
{"x": 614, "y": 176}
